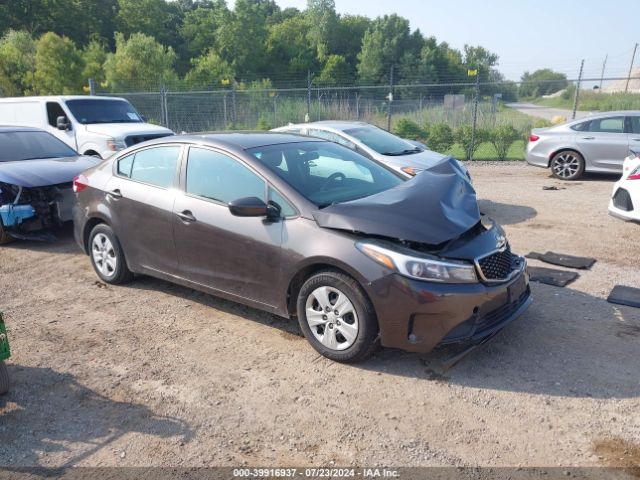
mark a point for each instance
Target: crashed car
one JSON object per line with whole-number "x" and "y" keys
{"x": 306, "y": 228}
{"x": 36, "y": 174}
{"x": 625, "y": 197}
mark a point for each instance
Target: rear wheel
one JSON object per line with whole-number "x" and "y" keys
{"x": 4, "y": 236}
{"x": 567, "y": 165}
{"x": 4, "y": 378}
{"x": 337, "y": 318}
{"x": 107, "y": 257}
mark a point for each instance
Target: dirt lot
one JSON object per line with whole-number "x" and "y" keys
{"x": 155, "y": 374}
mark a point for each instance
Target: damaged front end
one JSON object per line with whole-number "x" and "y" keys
{"x": 28, "y": 213}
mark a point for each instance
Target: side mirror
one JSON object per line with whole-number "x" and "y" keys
{"x": 248, "y": 207}
{"x": 62, "y": 123}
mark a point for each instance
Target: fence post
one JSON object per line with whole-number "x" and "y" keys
{"x": 307, "y": 117}
{"x": 224, "y": 108}
{"x": 92, "y": 87}
{"x": 390, "y": 99}
{"x": 275, "y": 109}
{"x": 577, "y": 94}
{"x": 475, "y": 115}
{"x": 357, "y": 106}
{"x": 164, "y": 111}
{"x": 633, "y": 57}
{"x": 233, "y": 103}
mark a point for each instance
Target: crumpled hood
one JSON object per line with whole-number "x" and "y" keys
{"x": 435, "y": 206}
{"x": 48, "y": 171}
{"x": 120, "y": 130}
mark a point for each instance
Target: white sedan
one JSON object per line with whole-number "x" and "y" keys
{"x": 625, "y": 198}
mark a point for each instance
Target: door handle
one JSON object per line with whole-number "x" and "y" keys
{"x": 588, "y": 138}
{"x": 115, "y": 193}
{"x": 186, "y": 216}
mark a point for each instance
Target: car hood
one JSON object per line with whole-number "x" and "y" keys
{"x": 119, "y": 130}
{"x": 421, "y": 160}
{"x": 48, "y": 171}
{"x": 435, "y": 206}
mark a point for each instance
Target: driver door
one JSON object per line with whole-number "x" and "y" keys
{"x": 236, "y": 255}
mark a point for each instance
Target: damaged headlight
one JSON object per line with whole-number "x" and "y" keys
{"x": 419, "y": 267}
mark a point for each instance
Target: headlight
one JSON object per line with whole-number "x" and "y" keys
{"x": 114, "y": 145}
{"x": 424, "y": 267}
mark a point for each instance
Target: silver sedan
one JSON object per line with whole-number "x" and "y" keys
{"x": 599, "y": 143}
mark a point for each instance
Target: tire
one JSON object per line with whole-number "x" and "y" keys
{"x": 353, "y": 334}
{"x": 4, "y": 378}
{"x": 4, "y": 236}
{"x": 107, "y": 257}
{"x": 567, "y": 165}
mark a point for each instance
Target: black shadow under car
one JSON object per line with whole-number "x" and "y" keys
{"x": 309, "y": 229}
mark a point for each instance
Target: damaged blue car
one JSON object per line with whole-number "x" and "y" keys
{"x": 36, "y": 183}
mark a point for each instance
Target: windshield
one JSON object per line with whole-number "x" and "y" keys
{"x": 326, "y": 173}
{"x": 103, "y": 111}
{"x": 382, "y": 141}
{"x": 31, "y": 146}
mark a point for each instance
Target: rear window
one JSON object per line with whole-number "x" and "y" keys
{"x": 32, "y": 146}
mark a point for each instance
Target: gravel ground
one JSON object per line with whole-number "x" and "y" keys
{"x": 152, "y": 374}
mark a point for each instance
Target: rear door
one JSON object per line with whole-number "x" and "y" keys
{"x": 239, "y": 256}
{"x": 604, "y": 143}
{"x": 140, "y": 196}
{"x": 633, "y": 127}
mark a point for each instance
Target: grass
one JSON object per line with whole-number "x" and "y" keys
{"x": 487, "y": 152}
{"x": 594, "y": 101}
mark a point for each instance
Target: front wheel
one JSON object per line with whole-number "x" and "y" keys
{"x": 337, "y": 318}
{"x": 567, "y": 165}
{"x": 107, "y": 256}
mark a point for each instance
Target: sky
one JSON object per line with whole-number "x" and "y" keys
{"x": 526, "y": 34}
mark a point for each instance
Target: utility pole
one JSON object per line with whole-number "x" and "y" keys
{"x": 604, "y": 64}
{"x": 633, "y": 57}
{"x": 577, "y": 94}
{"x": 390, "y": 99}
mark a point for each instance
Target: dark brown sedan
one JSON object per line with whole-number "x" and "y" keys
{"x": 309, "y": 229}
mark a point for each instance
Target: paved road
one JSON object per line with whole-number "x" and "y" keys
{"x": 545, "y": 112}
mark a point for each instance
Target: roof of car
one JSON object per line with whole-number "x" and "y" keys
{"x": 55, "y": 98}
{"x": 11, "y": 129}
{"x": 243, "y": 140}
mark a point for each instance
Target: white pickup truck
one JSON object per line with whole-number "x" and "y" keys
{"x": 98, "y": 126}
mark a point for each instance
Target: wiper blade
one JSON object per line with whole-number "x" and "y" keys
{"x": 403, "y": 152}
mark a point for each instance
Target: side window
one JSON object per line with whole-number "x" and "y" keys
{"x": 634, "y": 123}
{"x": 124, "y": 166}
{"x": 607, "y": 125}
{"x": 221, "y": 178}
{"x": 581, "y": 127}
{"x": 285, "y": 207}
{"x": 155, "y": 166}
{"x": 54, "y": 110}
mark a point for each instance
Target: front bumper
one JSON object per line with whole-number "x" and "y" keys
{"x": 416, "y": 316}
{"x": 625, "y": 202}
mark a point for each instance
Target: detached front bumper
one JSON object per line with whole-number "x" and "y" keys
{"x": 416, "y": 316}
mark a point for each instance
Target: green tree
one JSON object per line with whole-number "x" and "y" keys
{"x": 382, "y": 46}
{"x": 208, "y": 71}
{"x": 323, "y": 23}
{"x": 334, "y": 71}
{"x": 17, "y": 63}
{"x": 58, "y": 66}
{"x": 94, "y": 55}
{"x": 288, "y": 49}
{"x": 150, "y": 17}
{"x": 200, "y": 26}
{"x": 542, "y": 82}
{"x": 140, "y": 63}
{"x": 348, "y": 39}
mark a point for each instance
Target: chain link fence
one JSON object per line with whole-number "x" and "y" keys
{"x": 468, "y": 121}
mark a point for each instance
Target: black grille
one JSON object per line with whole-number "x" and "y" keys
{"x": 134, "y": 139}
{"x": 497, "y": 266}
{"x": 622, "y": 200}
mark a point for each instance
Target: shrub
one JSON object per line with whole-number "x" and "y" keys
{"x": 263, "y": 124}
{"x": 464, "y": 136}
{"x": 406, "y": 128}
{"x": 502, "y": 137}
{"x": 440, "y": 137}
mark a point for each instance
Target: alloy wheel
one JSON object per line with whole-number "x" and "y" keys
{"x": 332, "y": 318}
{"x": 566, "y": 165}
{"x": 104, "y": 255}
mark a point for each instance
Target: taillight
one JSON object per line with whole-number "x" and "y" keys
{"x": 533, "y": 138}
{"x": 635, "y": 175}
{"x": 79, "y": 183}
